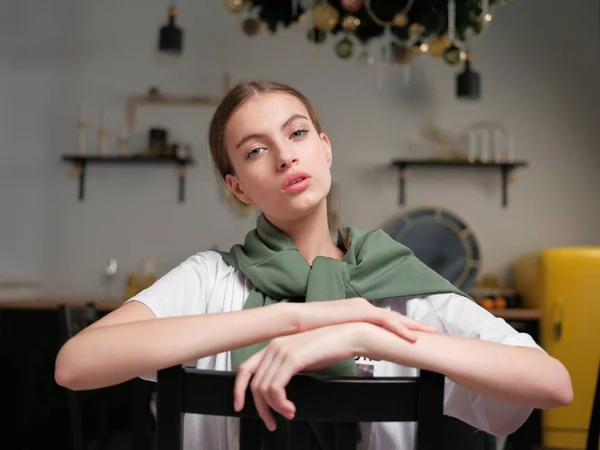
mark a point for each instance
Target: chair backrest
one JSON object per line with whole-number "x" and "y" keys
{"x": 340, "y": 401}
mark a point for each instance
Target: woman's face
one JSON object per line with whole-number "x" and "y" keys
{"x": 282, "y": 164}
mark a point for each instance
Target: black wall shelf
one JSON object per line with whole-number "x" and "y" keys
{"x": 505, "y": 169}
{"x": 80, "y": 163}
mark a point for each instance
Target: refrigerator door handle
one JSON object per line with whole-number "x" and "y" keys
{"x": 557, "y": 319}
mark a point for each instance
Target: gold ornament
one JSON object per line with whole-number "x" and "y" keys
{"x": 401, "y": 53}
{"x": 326, "y": 17}
{"x": 251, "y": 26}
{"x": 400, "y": 20}
{"x": 352, "y": 5}
{"x": 350, "y": 23}
{"x": 485, "y": 18}
{"x": 235, "y": 6}
{"x": 417, "y": 28}
{"x": 438, "y": 45}
{"x": 421, "y": 47}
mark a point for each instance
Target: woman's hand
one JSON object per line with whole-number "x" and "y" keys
{"x": 272, "y": 368}
{"x": 308, "y": 316}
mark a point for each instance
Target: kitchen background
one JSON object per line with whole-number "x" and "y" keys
{"x": 62, "y": 61}
{"x": 539, "y": 66}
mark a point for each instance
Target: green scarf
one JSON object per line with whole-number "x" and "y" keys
{"x": 374, "y": 267}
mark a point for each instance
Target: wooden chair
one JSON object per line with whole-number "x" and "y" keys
{"x": 594, "y": 430}
{"x": 342, "y": 402}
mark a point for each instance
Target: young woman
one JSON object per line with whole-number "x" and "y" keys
{"x": 230, "y": 310}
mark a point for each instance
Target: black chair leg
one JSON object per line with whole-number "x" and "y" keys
{"x": 77, "y": 438}
{"x": 345, "y": 436}
{"x": 594, "y": 430}
{"x": 250, "y": 434}
{"x": 169, "y": 432}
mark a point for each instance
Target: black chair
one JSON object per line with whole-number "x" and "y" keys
{"x": 594, "y": 430}
{"x": 342, "y": 402}
{"x": 72, "y": 321}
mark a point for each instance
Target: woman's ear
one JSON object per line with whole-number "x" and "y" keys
{"x": 235, "y": 186}
{"x": 327, "y": 148}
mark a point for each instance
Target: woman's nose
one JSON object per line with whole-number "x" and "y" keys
{"x": 286, "y": 160}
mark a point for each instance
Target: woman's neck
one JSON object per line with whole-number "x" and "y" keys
{"x": 310, "y": 235}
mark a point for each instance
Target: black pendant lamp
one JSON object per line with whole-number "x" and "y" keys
{"x": 468, "y": 83}
{"x": 170, "y": 38}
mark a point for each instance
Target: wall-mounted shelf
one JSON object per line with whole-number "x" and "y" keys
{"x": 169, "y": 99}
{"x": 134, "y": 101}
{"x": 505, "y": 169}
{"x": 80, "y": 163}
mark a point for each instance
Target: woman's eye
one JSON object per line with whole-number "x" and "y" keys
{"x": 255, "y": 152}
{"x": 299, "y": 133}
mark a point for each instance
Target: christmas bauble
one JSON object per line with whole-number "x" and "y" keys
{"x": 251, "y": 26}
{"x": 350, "y": 23}
{"x": 400, "y": 20}
{"x": 317, "y": 36}
{"x": 352, "y": 5}
{"x": 345, "y": 48}
{"x": 401, "y": 53}
{"x": 326, "y": 17}
{"x": 438, "y": 45}
{"x": 235, "y": 6}
{"x": 453, "y": 55}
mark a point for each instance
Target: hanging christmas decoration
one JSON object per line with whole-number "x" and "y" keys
{"x": 439, "y": 28}
{"x": 407, "y": 21}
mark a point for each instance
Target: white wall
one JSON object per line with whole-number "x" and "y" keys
{"x": 540, "y": 69}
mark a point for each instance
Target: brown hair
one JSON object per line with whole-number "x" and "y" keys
{"x": 234, "y": 99}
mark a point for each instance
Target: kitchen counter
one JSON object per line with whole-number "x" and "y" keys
{"x": 109, "y": 305}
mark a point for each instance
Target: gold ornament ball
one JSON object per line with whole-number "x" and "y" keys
{"x": 402, "y": 53}
{"x": 235, "y": 6}
{"x": 352, "y": 5}
{"x": 486, "y": 18}
{"x": 251, "y": 26}
{"x": 420, "y": 47}
{"x": 326, "y": 17}
{"x": 417, "y": 28}
{"x": 400, "y": 20}
{"x": 438, "y": 45}
{"x": 350, "y": 23}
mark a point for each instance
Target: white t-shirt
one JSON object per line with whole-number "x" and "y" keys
{"x": 204, "y": 283}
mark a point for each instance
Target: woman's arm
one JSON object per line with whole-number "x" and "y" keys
{"x": 518, "y": 375}
{"x": 514, "y": 375}
{"x": 131, "y": 342}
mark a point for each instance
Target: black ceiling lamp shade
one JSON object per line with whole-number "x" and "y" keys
{"x": 170, "y": 38}
{"x": 468, "y": 83}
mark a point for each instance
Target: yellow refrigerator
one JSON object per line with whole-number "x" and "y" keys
{"x": 564, "y": 283}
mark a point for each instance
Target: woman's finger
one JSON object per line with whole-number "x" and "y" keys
{"x": 263, "y": 411}
{"x": 242, "y": 379}
{"x": 275, "y": 393}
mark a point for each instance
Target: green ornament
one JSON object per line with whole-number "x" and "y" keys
{"x": 454, "y": 55}
{"x": 344, "y": 48}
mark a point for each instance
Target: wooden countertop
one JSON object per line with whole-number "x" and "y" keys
{"x": 45, "y": 304}
{"x": 109, "y": 305}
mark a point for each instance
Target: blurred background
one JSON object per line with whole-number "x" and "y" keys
{"x": 466, "y": 129}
